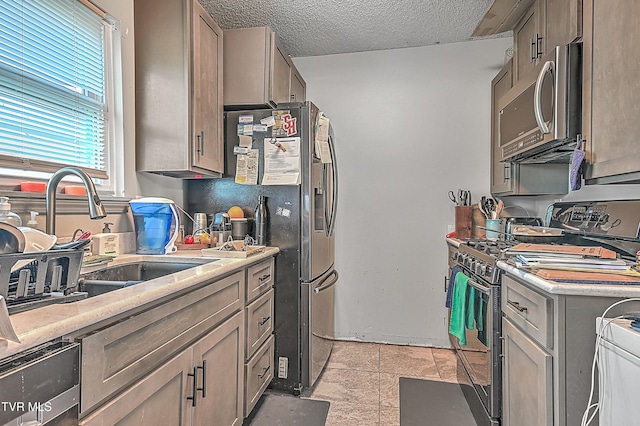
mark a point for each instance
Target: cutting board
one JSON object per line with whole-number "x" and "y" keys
{"x": 587, "y": 277}
{"x": 600, "y": 252}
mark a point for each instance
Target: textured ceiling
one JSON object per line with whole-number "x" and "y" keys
{"x": 312, "y": 27}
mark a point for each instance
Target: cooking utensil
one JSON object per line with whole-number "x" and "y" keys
{"x": 487, "y": 207}
{"x": 11, "y": 239}
{"x": 525, "y": 220}
{"x": 453, "y": 198}
{"x": 464, "y": 196}
{"x": 75, "y": 245}
{"x": 499, "y": 207}
{"x": 536, "y": 234}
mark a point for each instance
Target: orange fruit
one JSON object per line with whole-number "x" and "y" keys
{"x": 235, "y": 212}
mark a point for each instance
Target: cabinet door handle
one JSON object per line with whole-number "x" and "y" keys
{"x": 532, "y": 55}
{"x": 264, "y": 278}
{"x": 203, "y": 389}
{"x": 264, "y": 372}
{"x": 201, "y": 143}
{"x": 506, "y": 172}
{"x": 517, "y": 306}
{"x": 194, "y": 387}
{"x": 264, "y": 320}
{"x": 538, "y": 46}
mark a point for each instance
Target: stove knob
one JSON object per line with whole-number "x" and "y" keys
{"x": 489, "y": 271}
{"x": 480, "y": 269}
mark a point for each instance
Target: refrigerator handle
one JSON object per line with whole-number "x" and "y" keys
{"x": 324, "y": 284}
{"x": 334, "y": 168}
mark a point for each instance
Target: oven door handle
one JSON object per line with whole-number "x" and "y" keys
{"x": 482, "y": 289}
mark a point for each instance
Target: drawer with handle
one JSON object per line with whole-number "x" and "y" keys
{"x": 259, "y": 322}
{"x": 258, "y": 375}
{"x": 528, "y": 309}
{"x": 259, "y": 279}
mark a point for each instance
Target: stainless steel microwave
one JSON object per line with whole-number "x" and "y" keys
{"x": 539, "y": 120}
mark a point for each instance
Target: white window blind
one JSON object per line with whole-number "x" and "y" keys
{"x": 52, "y": 86}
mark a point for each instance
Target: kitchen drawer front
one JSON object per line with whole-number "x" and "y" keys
{"x": 528, "y": 309}
{"x": 259, "y": 279}
{"x": 258, "y": 375}
{"x": 117, "y": 356}
{"x": 259, "y": 322}
{"x": 154, "y": 400}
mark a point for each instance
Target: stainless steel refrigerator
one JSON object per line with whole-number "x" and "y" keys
{"x": 302, "y": 224}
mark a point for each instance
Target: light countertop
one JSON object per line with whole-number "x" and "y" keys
{"x": 44, "y": 324}
{"x": 560, "y": 288}
{"x": 571, "y": 289}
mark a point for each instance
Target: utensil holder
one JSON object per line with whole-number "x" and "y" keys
{"x": 464, "y": 221}
{"x": 494, "y": 228}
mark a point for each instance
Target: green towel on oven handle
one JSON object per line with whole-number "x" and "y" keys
{"x": 462, "y": 308}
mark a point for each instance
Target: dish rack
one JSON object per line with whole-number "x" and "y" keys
{"x": 49, "y": 274}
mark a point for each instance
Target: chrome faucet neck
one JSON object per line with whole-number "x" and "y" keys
{"x": 96, "y": 209}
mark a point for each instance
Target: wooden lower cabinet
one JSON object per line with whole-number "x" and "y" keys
{"x": 219, "y": 358}
{"x": 169, "y": 396}
{"x": 528, "y": 385}
{"x": 258, "y": 374}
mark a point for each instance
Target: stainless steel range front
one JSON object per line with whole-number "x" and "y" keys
{"x": 479, "y": 358}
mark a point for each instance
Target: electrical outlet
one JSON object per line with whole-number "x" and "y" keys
{"x": 283, "y": 367}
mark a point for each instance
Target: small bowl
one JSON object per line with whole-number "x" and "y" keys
{"x": 11, "y": 239}
{"x": 75, "y": 190}
{"x": 33, "y": 187}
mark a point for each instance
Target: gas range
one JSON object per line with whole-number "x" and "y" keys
{"x": 479, "y": 256}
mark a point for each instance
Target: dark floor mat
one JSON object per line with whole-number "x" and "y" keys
{"x": 287, "y": 410}
{"x": 429, "y": 403}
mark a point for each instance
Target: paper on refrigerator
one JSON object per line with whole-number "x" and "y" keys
{"x": 322, "y": 139}
{"x": 281, "y": 161}
{"x": 247, "y": 167}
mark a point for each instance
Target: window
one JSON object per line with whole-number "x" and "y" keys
{"x": 54, "y": 91}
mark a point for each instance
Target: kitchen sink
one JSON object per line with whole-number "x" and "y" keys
{"x": 127, "y": 274}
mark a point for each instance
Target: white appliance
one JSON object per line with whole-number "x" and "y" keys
{"x": 618, "y": 372}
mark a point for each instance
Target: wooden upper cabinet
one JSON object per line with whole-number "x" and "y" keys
{"x": 298, "y": 86}
{"x": 501, "y": 178}
{"x": 538, "y": 26}
{"x": 610, "y": 91}
{"x": 528, "y": 42}
{"x": 562, "y": 22}
{"x": 257, "y": 70}
{"x": 281, "y": 78}
{"x": 179, "y": 113}
{"x": 207, "y": 89}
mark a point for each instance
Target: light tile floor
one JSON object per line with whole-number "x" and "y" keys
{"x": 361, "y": 380}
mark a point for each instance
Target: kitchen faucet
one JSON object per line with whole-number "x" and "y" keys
{"x": 96, "y": 209}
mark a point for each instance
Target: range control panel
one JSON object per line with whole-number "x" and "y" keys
{"x": 612, "y": 218}
{"x": 593, "y": 214}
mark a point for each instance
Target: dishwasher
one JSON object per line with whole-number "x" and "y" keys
{"x": 41, "y": 386}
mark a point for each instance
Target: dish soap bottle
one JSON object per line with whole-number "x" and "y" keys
{"x": 6, "y": 215}
{"x": 32, "y": 222}
{"x": 262, "y": 219}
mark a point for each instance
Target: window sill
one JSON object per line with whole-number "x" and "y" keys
{"x": 24, "y": 202}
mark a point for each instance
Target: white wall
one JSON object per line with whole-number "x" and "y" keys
{"x": 411, "y": 124}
